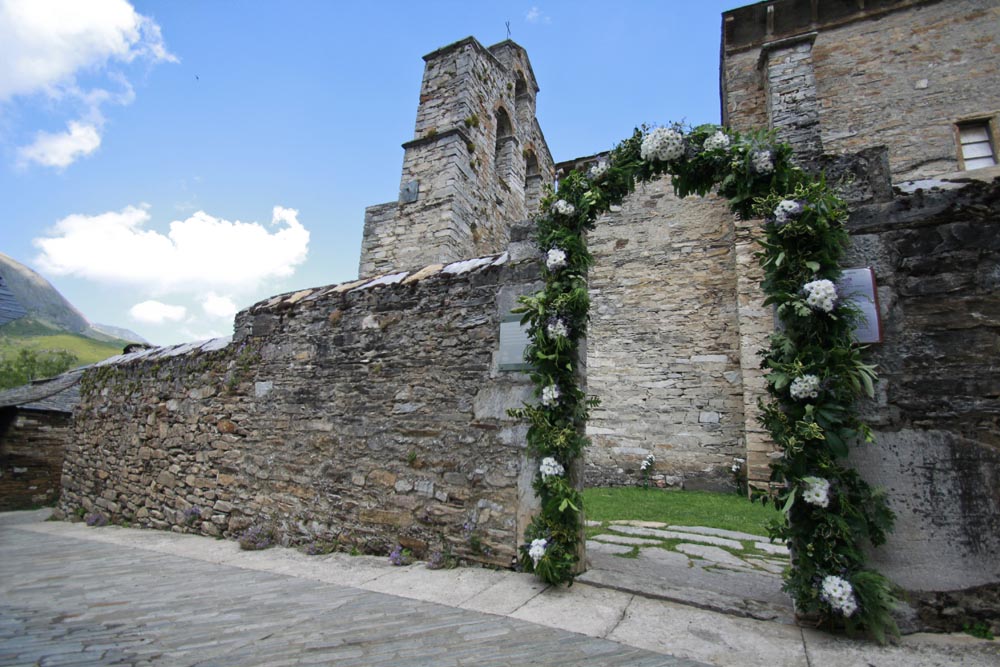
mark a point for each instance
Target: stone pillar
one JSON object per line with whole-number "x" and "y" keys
{"x": 756, "y": 323}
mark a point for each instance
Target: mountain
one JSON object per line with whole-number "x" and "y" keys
{"x": 51, "y": 322}
{"x": 43, "y": 302}
{"x": 119, "y": 333}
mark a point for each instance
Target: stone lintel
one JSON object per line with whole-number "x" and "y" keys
{"x": 423, "y": 141}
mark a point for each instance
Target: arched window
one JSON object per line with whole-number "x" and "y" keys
{"x": 522, "y": 106}
{"x": 504, "y": 144}
{"x": 532, "y": 183}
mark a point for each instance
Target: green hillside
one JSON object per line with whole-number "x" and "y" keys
{"x": 32, "y": 335}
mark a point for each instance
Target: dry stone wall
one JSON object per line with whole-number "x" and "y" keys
{"x": 31, "y": 457}
{"x": 366, "y": 414}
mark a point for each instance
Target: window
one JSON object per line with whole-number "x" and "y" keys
{"x": 504, "y": 144}
{"x": 978, "y": 148}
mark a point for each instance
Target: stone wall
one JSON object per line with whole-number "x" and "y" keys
{"x": 896, "y": 73}
{"x": 475, "y": 166}
{"x": 370, "y": 414}
{"x": 663, "y": 347}
{"x": 936, "y": 256}
{"x": 31, "y": 457}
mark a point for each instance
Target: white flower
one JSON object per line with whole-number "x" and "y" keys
{"x": 817, "y": 491}
{"x": 662, "y": 144}
{"x": 563, "y": 207}
{"x": 537, "y": 550}
{"x": 550, "y": 395}
{"x": 556, "y": 328}
{"x": 762, "y": 161}
{"x": 787, "y": 210}
{"x": 550, "y": 468}
{"x": 719, "y": 140}
{"x": 838, "y": 593}
{"x": 647, "y": 463}
{"x": 805, "y": 386}
{"x": 597, "y": 170}
{"x": 820, "y": 295}
{"x": 555, "y": 259}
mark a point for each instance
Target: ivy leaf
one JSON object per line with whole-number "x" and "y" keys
{"x": 838, "y": 447}
{"x": 812, "y": 266}
{"x": 566, "y": 503}
{"x": 789, "y": 502}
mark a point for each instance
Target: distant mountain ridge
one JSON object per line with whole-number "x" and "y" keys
{"x": 47, "y": 307}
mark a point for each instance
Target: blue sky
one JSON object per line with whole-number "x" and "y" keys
{"x": 165, "y": 163}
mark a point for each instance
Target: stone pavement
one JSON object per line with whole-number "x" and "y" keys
{"x": 72, "y": 595}
{"x": 719, "y": 570}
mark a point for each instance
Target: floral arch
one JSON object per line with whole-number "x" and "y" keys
{"x": 815, "y": 372}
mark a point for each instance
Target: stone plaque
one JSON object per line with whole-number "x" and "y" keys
{"x": 514, "y": 340}
{"x": 408, "y": 193}
{"x": 858, "y": 287}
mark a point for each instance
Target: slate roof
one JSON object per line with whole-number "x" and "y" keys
{"x": 10, "y": 309}
{"x": 58, "y": 394}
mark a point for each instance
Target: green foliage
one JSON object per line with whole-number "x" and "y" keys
{"x": 815, "y": 372}
{"x": 980, "y": 629}
{"x": 30, "y": 365}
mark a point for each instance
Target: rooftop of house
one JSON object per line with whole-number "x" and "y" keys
{"x": 58, "y": 394}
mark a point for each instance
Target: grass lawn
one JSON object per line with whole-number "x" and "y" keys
{"x": 681, "y": 508}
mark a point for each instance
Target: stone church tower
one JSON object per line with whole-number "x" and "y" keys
{"x": 477, "y": 162}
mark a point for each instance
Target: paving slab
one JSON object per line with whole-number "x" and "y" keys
{"x": 926, "y": 650}
{"x": 624, "y": 539}
{"x": 710, "y": 553}
{"x": 775, "y": 566}
{"x": 770, "y": 548}
{"x": 674, "y": 535}
{"x": 579, "y": 608}
{"x": 506, "y": 596}
{"x": 638, "y": 524}
{"x": 719, "y": 532}
{"x": 607, "y": 548}
{"x": 670, "y": 575}
{"x": 419, "y": 583}
{"x": 717, "y": 639}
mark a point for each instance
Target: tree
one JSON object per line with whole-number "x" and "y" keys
{"x": 30, "y": 365}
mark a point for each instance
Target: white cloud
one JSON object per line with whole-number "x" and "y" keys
{"x": 218, "y": 306}
{"x": 62, "y": 149}
{"x": 46, "y": 44}
{"x": 199, "y": 254}
{"x": 154, "y": 312}
{"x": 535, "y": 15}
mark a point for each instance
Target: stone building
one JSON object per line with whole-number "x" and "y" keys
{"x": 477, "y": 163}
{"x": 35, "y": 424}
{"x": 375, "y": 411}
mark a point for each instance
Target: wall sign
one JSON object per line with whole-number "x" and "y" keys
{"x": 514, "y": 340}
{"x": 858, "y": 287}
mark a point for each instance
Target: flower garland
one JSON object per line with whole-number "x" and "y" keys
{"x": 815, "y": 372}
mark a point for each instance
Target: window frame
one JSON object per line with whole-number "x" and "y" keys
{"x": 989, "y": 122}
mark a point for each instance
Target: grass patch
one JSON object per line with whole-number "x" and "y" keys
{"x": 86, "y": 350}
{"x": 727, "y": 511}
